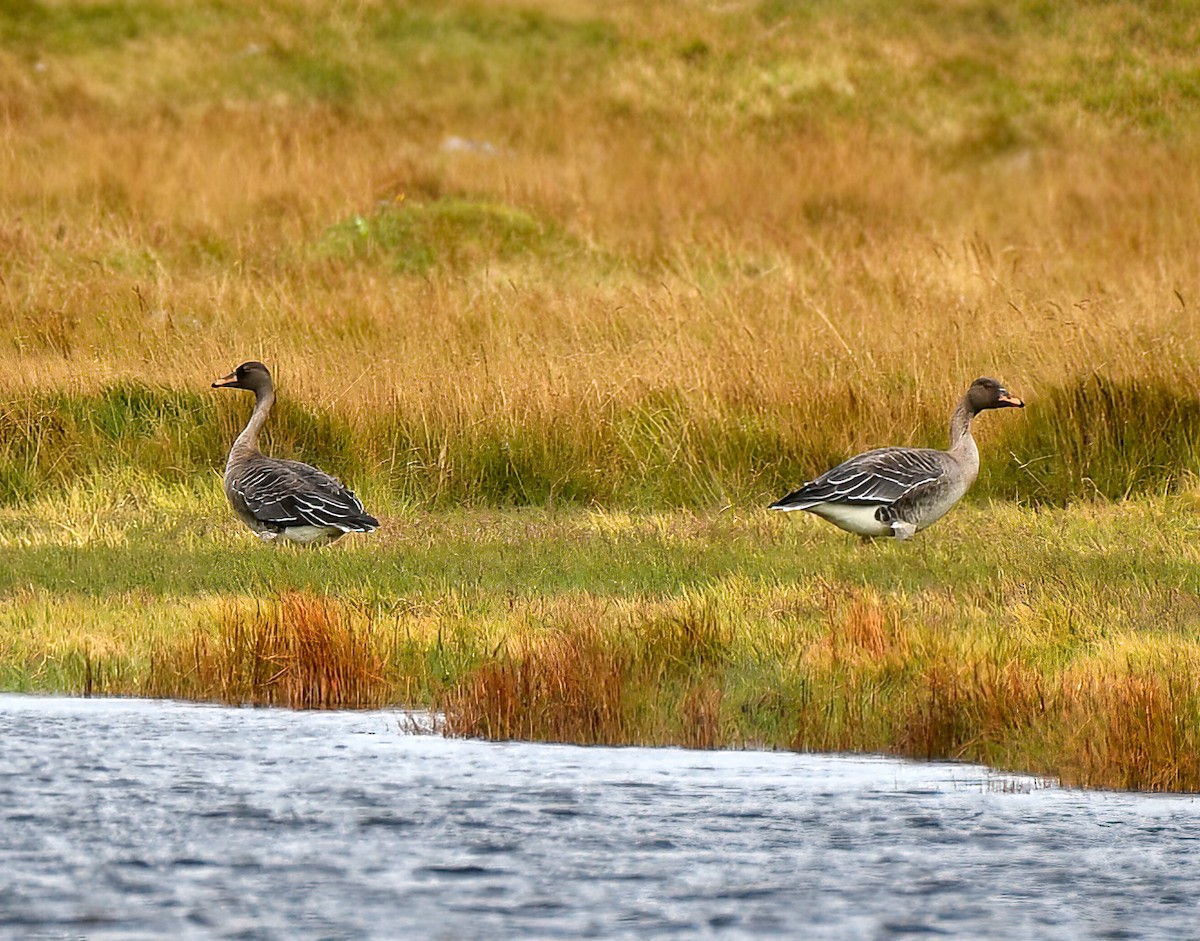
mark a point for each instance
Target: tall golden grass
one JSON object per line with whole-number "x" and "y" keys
{"x": 296, "y": 651}
{"x": 726, "y": 248}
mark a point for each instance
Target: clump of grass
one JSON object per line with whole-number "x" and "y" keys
{"x": 297, "y": 650}
{"x": 600, "y": 677}
{"x": 567, "y": 688}
{"x": 1098, "y": 724}
{"x": 49, "y": 442}
{"x": 862, "y": 681}
{"x": 412, "y": 236}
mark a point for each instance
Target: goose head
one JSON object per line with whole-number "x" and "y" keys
{"x": 988, "y": 393}
{"x": 253, "y": 376}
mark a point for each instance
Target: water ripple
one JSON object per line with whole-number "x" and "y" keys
{"x": 127, "y": 820}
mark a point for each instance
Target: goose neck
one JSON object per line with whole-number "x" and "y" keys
{"x": 960, "y": 428}
{"x": 248, "y": 439}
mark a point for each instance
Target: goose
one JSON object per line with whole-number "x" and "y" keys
{"x": 281, "y": 499}
{"x": 899, "y": 491}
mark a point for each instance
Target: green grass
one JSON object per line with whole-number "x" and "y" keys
{"x": 1092, "y": 438}
{"x": 715, "y": 629}
{"x": 412, "y": 237}
{"x": 103, "y": 538}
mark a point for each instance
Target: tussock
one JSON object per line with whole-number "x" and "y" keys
{"x": 297, "y": 651}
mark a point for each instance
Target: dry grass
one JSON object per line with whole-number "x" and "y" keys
{"x": 867, "y": 684}
{"x": 566, "y": 690}
{"x": 654, "y": 280}
{"x": 297, "y": 651}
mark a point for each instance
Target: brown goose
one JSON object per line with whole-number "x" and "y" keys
{"x": 281, "y": 499}
{"x": 899, "y": 491}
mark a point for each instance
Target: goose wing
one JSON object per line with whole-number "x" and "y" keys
{"x": 291, "y": 493}
{"x": 879, "y": 478}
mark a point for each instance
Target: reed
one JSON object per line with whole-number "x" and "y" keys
{"x": 296, "y": 651}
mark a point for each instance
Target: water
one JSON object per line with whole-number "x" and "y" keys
{"x": 129, "y": 819}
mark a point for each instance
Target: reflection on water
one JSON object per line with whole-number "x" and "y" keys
{"x": 131, "y": 819}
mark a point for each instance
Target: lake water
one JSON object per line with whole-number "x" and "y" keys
{"x": 132, "y": 819}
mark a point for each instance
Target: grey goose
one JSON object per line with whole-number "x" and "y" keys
{"x": 281, "y": 499}
{"x": 899, "y": 491}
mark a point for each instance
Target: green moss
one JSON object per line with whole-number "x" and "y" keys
{"x": 412, "y": 236}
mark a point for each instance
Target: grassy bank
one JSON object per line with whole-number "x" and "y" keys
{"x": 1058, "y": 642}
{"x": 568, "y": 291}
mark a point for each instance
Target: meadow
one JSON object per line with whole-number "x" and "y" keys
{"x": 568, "y": 292}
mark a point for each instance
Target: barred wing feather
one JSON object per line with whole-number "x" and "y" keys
{"x": 879, "y": 477}
{"x": 290, "y": 493}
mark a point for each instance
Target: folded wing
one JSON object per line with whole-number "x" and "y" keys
{"x": 289, "y": 493}
{"x": 879, "y": 478}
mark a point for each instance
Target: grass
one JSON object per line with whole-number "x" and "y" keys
{"x": 1060, "y": 642}
{"x": 413, "y": 238}
{"x": 568, "y": 291}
